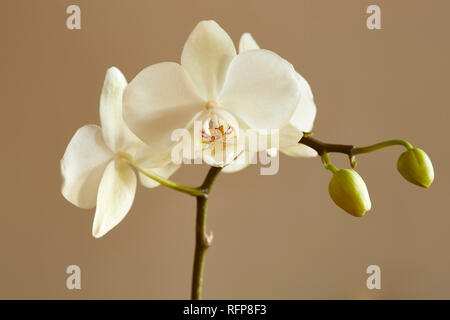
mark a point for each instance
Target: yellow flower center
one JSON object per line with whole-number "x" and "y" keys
{"x": 217, "y": 131}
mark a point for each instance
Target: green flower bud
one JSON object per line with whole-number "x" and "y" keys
{"x": 348, "y": 191}
{"x": 416, "y": 167}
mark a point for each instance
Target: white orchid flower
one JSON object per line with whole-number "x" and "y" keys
{"x": 301, "y": 121}
{"x": 228, "y": 92}
{"x": 95, "y": 166}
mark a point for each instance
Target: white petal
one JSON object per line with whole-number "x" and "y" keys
{"x": 115, "y": 132}
{"x": 261, "y": 89}
{"x": 147, "y": 158}
{"x": 206, "y": 56}
{"x": 241, "y": 162}
{"x": 82, "y": 166}
{"x": 115, "y": 197}
{"x": 289, "y": 136}
{"x": 261, "y": 140}
{"x": 247, "y": 43}
{"x": 305, "y": 113}
{"x": 299, "y": 151}
{"x": 272, "y": 152}
{"x": 160, "y": 99}
{"x": 221, "y": 155}
{"x": 165, "y": 172}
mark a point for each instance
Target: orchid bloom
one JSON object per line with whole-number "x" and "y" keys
{"x": 227, "y": 92}
{"x": 95, "y": 166}
{"x": 301, "y": 121}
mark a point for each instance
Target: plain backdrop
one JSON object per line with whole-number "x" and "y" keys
{"x": 275, "y": 237}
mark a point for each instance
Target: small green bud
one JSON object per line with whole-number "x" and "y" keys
{"x": 416, "y": 167}
{"x": 348, "y": 191}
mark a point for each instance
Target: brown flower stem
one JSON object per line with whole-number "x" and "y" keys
{"x": 202, "y": 239}
{"x": 323, "y": 148}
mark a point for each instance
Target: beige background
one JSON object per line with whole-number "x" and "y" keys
{"x": 275, "y": 236}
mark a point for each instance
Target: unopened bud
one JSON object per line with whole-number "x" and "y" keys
{"x": 348, "y": 191}
{"x": 416, "y": 167}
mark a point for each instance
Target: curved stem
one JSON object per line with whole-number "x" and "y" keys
{"x": 168, "y": 183}
{"x": 325, "y": 159}
{"x": 382, "y": 145}
{"x": 202, "y": 239}
{"x": 327, "y": 164}
{"x": 350, "y": 150}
